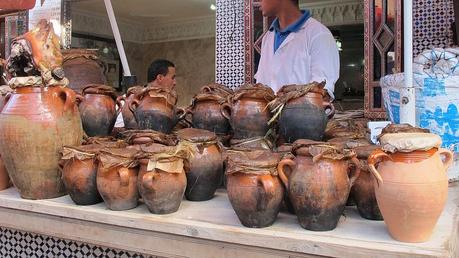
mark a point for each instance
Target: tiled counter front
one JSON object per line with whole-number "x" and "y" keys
{"x": 58, "y": 228}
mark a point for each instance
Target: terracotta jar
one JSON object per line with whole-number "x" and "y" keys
{"x": 155, "y": 109}
{"x": 98, "y": 109}
{"x": 205, "y": 109}
{"x": 5, "y": 94}
{"x": 315, "y": 168}
{"x": 303, "y": 115}
{"x": 254, "y": 190}
{"x": 82, "y": 67}
{"x": 247, "y": 112}
{"x": 205, "y": 173}
{"x": 363, "y": 191}
{"x": 117, "y": 178}
{"x": 79, "y": 170}
{"x": 35, "y": 124}
{"x": 411, "y": 190}
{"x": 162, "y": 173}
{"x": 128, "y": 116}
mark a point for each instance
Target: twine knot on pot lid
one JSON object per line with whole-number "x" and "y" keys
{"x": 321, "y": 150}
{"x": 257, "y": 91}
{"x": 408, "y": 142}
{"x": 257, "y": 162}
{"x": 216, "y": 89}
{"x": 148, "y": 136}
{"x": 195, "y": 135}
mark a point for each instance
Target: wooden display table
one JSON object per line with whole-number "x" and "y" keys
{"x": 211, "y": 229}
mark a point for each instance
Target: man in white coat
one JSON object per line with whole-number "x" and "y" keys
{"x": 297, "y": 49}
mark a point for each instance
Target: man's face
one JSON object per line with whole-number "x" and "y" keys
{"x": 269, "y": 7}
{"x": 168, "y": 80}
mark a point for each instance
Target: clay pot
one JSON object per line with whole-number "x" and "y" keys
{"x": 205, "y": 109}
{"x": 128, "y": 116}
{"x": 82, "y": 67}
{"x": 363, "y": 192}
{"x": 155, "y": 109}
{"x": 254, "y": 190}
{"x": 205, "y": 172}
{"x": 34, "y": 126}
{"x": 411, "y": 190}
{"x": 79, "y": 170}
{"x": 348, "y": 128}
{"x": 5, "y": 92}
{"x": 247, "y": 112}
{"x": 98, "y": 110}
{"x": 162, "y": 185}
{"x": 312, "y": 171}
{"x": 304, "y": 117}
{"x": 117, "y": 178}
{"x": 251, "y": 143}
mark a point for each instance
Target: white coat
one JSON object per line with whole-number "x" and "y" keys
{"x": 308, "y": 55}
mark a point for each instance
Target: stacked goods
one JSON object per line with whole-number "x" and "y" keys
{"x": 247, "y": 113}
{"x": 98, "y": 109}
{"x": 301, "y": 112}
{"x": 317, "y": 166}
{"x": 40, "y": 117}
{"x": 155, "y": 109}
{"x": 205, "y": 110}
{"x": 82, "y": 67}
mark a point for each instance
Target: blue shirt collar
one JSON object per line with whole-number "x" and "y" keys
{"x": 293, "y": 27}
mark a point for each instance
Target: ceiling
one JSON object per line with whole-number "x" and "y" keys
{"x": 148, "y": 11}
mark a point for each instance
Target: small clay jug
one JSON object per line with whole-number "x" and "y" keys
{"x": 98, "y": 109}
{"x": 254, "y": 189}
{"x": 303, "y": 115}
{"x": 128, "y": 116}
{"x": 155, "y": 109}
{"x": 117, "y": 178}
{"x": 205, "y": 173}
{"x": 363, "y": 191}
{"x": 162, "y": 173}
{"x": 82, "y": 67}
{"x": 317, "y": 167}
{"x": 205, "y": 109}
{"x": 79, "y": 170}
{"x": 247, "y": 111}
{"x": 412, "y": 183}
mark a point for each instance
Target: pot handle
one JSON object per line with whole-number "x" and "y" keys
{"x": 8, "y": 97}
{"x": 124, "y": 176}
{"x": 69, "y": 97}
{"x": 356, "y": 171}
{"x": 119, "y": 104}
{"x": 281, "y": 170}
{"x": 79, "y": 99}
{"x": 133, "y": 105}
{"x": 265, "y": 194}
{"x": 331, "y": 107}
{"x": 206, "y": 89}
{"x": 376, "y": 157}
{"x": 449, "y": 156}
{"x": 180, "y": 113}
{"x": 147, "y": 180}
{"x": 225, "y": 109}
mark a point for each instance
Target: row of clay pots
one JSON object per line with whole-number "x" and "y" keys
{"x": 120, "y": 174}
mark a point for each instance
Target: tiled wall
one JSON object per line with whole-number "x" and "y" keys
{"x": 14, "y": 243}
{"x": 432, "y": 24}
{"x": 230, "y": 43}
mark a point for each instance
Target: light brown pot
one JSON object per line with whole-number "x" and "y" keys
{"x": 411, "y": 190}
{"x": 34, "y": 126}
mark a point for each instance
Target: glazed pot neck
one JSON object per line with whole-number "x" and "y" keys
{"x": 414, "y": 156}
